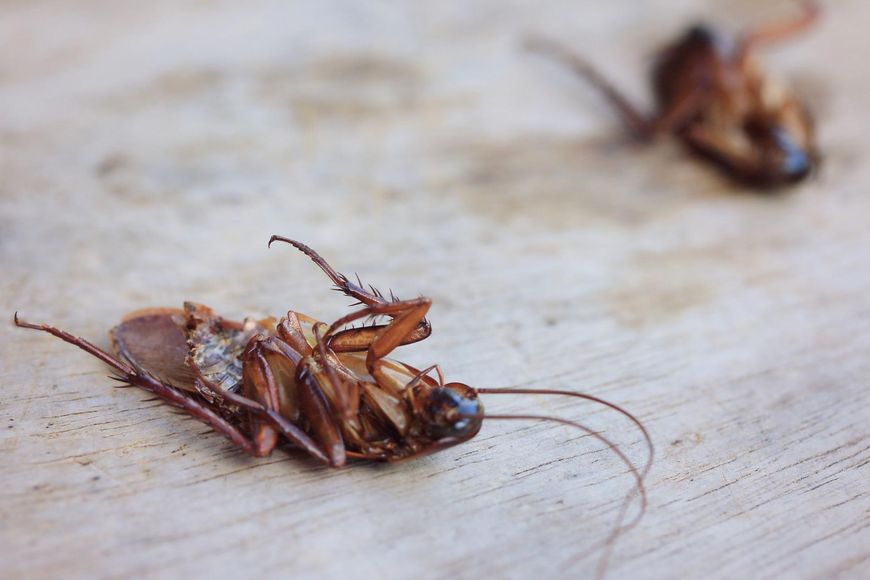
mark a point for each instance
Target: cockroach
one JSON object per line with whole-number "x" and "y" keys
{"x": 712, "y": 95}
{"x": 328, "y": 390}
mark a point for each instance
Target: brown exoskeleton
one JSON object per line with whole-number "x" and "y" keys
{"x": 328, "y": 390}
{"x": 712, "y": 94}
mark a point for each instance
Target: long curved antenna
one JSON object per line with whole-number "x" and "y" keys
{"x": 619, "y": 527}
{"x": 594, "y": 399}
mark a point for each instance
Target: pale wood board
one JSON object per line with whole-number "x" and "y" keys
{"x": 150, "y": 149}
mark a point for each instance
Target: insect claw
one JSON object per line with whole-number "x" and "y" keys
{"x": 298, "y": 245}
{"x": 24, "y": 323}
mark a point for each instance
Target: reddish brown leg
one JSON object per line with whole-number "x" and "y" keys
{"x": 196, "y": 408}
{"x": 357, "y": 339}
{"x": 259, "y": 384}
{"x": 262, "y": 358}
{"x": 643, "y": 128}
{"x": 407, "y": 316}
{"x": 782, "y": 30}
{"x": 639, "y": 126}
{"x": 316, "y": 409}
{"x": 342, "y": 282}
{"x": 290, "y": 331}
{"x": 345, "y": 390}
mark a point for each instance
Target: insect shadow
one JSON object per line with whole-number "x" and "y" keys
{"x": 326, "y": 389}
{"x": 712, "y": 94}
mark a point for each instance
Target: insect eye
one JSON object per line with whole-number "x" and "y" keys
{"x": 449, "y": 414}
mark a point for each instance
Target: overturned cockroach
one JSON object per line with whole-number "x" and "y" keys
{"x": 712, "y": 94}
{"x": 329, "y": 390}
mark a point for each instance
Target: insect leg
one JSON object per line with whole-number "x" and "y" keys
{"x": 782, "y": 30}
{"x": 292, "y": 335}
{"x": 409, "y": 316}
{"x": 409, "y": 322}
{"x": 634, "y": 120}
{"x": 342, "y": 282}
{"x": 315, "y": 407}
{"x": 358, "y": 339}
{"x": 344, "y": 391}
{"x": 194, "y": 407}
{"x": 265, "y": 360}
{"x": 282, "y": 424}
{"x": 197, "y": 408}
{"x": 259, "y": 384}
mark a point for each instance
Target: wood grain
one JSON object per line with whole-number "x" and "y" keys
{"x": 149, "y": 152}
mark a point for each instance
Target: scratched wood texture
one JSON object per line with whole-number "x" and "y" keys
{"x": 149, "y": 149}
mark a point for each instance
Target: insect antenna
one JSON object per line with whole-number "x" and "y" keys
{"x": 639, "y": 488}
{"x": 637, "y": 422}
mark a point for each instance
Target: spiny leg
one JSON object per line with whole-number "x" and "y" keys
{"x": 198, "y": 409}
{"x": 407, "y": 316}
{"x": 342, "y": 282}
{"x": 357, "y": 339}
{"x": 361, "y": 339}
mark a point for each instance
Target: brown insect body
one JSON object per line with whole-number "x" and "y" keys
{"x": 713, "y": 95}
{"x": 196, "y": 351}
{"x": 329, "y": 390}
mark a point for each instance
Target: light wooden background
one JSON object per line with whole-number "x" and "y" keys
{"x": 150, "y": 149}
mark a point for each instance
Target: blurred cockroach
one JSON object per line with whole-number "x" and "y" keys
{"x": 328, "y": 390}
{"x": 712, "y": 94}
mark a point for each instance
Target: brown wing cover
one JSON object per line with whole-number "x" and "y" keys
{"x": 179, "y": 346}
{"x": 156, "y": 341}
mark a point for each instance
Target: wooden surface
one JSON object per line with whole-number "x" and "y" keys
{"x": 150, "y": 149}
